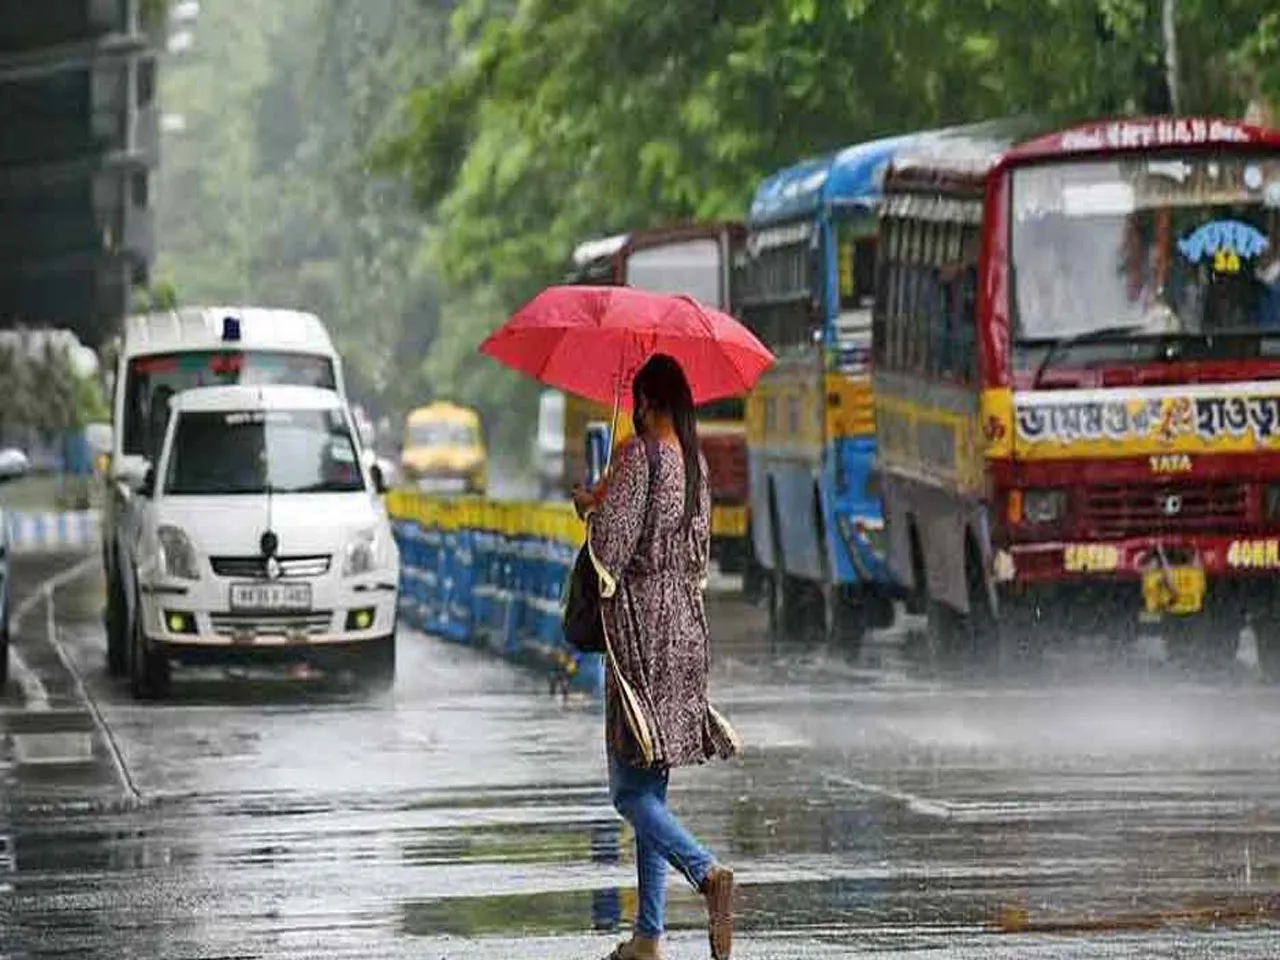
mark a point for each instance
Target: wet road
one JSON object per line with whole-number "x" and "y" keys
{"x": 880, "y": 809}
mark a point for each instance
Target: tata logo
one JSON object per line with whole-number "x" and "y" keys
{"x": 1171, "y": 505}
{"x": 1171, "y": 463}
{"x": 273, "y": 568}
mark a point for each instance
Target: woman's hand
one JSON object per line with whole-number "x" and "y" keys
{"x": 585, "y": 500}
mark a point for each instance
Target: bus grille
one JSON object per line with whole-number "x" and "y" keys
{"x": 727, "y": 466}
{"x": 1121, "y": 511}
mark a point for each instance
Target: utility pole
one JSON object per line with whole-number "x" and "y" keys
{"x": 1169, "y": 25}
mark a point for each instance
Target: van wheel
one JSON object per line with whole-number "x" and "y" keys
{"x": 117, "y": 635}
{"x": 149, "y": 670}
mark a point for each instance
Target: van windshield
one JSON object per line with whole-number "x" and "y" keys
{"x": 152, "y": 380}
{"x": 245, "y": 452}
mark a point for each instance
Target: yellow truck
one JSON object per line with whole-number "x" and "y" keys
{"x": 444, "y": 450}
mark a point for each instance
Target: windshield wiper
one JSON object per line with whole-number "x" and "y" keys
{"x": 1114, "y": 332}
{"x": 326, "y": 486}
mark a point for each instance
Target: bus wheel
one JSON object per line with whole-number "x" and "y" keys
{"x": 845, "y": 617}
{"x": 1197, "y": 643}
{"x": 783, "y": 593}
{"x": 779, "y": 602}
{"x": 917, "y": 600}
{"x": 966, "y": 639}
{"x": 752, "y": 576}
{"x": 1267, "y": 634}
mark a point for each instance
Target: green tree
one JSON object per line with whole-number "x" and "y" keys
{"x": 266, "y": 197}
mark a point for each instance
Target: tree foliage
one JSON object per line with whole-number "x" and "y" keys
{"x": 412, "y": 171}
{"x": 561, "y": 118}
{"x": 266, "y": 197}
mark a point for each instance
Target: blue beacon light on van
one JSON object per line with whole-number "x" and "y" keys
{"x": 231, "y": 328}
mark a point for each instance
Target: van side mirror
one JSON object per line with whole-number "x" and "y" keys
{"x": 148, "y": 486}
{"x": 379, "y": 481}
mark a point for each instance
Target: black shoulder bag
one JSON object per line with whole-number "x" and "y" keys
{"x": 583, "y": 628}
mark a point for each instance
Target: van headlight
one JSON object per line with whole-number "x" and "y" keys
{"x": 362, "y": 554}
{"x": 176, "y": 554}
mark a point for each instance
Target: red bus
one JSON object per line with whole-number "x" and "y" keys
{"x": 695, "y": 260}
{"x": 1077, "y": 384}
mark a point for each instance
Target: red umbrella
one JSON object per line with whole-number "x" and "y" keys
{"x": 590, "y": 341}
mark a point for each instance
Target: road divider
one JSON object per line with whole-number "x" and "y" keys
{"x": 491, "y": 574}
{"x": 76, "y": 531}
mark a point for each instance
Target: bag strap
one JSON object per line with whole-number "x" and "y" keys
{"x": 630, "y": 702}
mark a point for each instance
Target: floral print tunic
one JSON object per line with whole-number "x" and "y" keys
{"x": 652, "y": 574}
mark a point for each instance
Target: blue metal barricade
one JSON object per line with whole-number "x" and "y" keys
{"x": 492, "y": 574}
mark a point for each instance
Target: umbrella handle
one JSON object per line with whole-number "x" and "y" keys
{"x": 613, "y": 421}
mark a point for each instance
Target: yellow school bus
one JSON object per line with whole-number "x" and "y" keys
{"x": 444, "y": 449}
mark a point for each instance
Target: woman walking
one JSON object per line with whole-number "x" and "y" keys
{"x": 649, "y": 539}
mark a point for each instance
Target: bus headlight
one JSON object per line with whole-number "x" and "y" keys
{"x": 1041, "y": 507}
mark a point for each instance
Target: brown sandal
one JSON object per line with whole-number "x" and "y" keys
{"x": 717, "y": 888}
{"x": 637, "y": 948}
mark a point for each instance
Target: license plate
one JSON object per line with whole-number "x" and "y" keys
{"x": 271, "y": 596}
{"x": 728, "y": 521}
{"x": 1179, "y": 590}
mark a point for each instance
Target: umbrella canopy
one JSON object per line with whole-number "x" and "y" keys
{"x": 590, "y": 341}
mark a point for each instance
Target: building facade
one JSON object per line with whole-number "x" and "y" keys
{"x": 80, "y": 116}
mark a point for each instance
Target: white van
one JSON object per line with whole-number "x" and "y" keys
{"x": 262, "y": 538}
{"x": 163, "y": 354}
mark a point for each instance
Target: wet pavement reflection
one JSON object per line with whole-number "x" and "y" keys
{"x": 1102, "y": 807}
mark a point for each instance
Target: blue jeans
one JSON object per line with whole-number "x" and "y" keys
{"x": 641, "y": 797}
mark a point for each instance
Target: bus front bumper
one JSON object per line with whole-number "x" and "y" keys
{"x": 1151, "y": 577}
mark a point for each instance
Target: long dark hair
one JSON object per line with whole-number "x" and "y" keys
{"x": 665, "y": 390}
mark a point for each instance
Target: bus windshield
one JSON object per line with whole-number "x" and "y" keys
{"x": 442, "y": 433}
{"x": 152, "y": 380}
{"x": 693, "y": 267}
{"x": 1124, "y": 251}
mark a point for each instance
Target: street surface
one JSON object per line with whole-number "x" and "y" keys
{"x": 1102, "y": 809}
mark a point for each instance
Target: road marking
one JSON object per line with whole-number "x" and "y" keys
{"x": 82, "y": 690}
{"x": 935, "y": 809}
{"x": 75, "y": 748}
{"x": 34, "y": 693}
